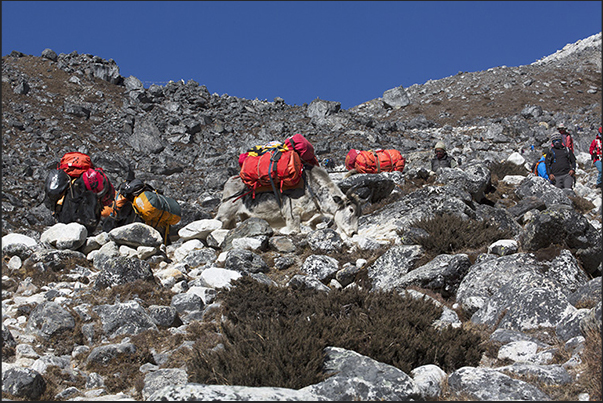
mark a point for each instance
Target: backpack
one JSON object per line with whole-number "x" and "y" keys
{"x": 539, "y": 168}
{"x": 155, "y": 209}
{"x": 379, "y": 161}
{"x": 303, "y": 147}
{"x": 57, "y": 182}
{"x": 350, "y": 159}
{"x": 96, "y": 181}
{"x": 568, "y": 141}
{"x": 80, "y": 205}
{"x": 276, "y": 168}
{"x": 75, "y": 163}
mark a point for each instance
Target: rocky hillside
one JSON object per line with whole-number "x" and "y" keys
{"x": 185, "y": 140}
{"x": 517, "y": 234}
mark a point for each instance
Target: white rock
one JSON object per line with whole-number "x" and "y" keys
{"x": 65, "y": 236}
{"x": 145, "y": 252}
{"x": 187, "y": 247}
{"x": 429, "y": 378}
{"x": 514, "y": 180}
{"x": 125, "y": 250}
{"x": 18, "y": 239}
{"x": 199, "y": 229}
{"x": 518, "y": 351}
{"x": 516, "y": 158}
{"x": 15, "y": 263}
{"x": 217, "y": 278}
{"x": 252, "y": 244}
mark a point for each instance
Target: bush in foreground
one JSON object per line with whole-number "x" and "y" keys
{"x": 275, "y": 336}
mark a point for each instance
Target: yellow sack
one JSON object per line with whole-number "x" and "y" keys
{"x": 156, "y": 209}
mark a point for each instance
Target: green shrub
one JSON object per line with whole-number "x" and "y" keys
{"x": 275, "y": 336}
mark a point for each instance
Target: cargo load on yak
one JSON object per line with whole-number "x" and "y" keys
{"x": 375, "y": 161}
{"x": 277, "y": 166}
{"x": 96, "y": 181}
{"x": 80, "y": 205}
{"x": 156, "y": 209}
{"x": 75, "y": 163}
{"x": 77, "y": 190}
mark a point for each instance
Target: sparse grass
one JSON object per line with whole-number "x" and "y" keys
{"x": 123, "y": 373}
{"x": 274, "y": 336}
{"x": 548, "y": 253}
{"x": 58, "y": 380}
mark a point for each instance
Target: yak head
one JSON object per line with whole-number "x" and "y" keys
{"x": 347, "y": 213}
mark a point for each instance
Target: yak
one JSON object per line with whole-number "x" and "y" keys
{"x": 319, "y": 199}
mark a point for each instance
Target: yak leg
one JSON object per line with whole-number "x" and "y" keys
{"x": 291, "y": 216}
{"x": 227, "y": 213}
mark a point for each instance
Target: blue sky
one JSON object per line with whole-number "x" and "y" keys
{"x": 344, "y": 51}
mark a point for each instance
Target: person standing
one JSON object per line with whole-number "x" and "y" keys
{"x": 566, "y": 137}
{"x": 560, "y": 164}
{"x": 442, "y": 159}
{"x": 595, "y": 154}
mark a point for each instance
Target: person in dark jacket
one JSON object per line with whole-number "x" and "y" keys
{"x": 442, "y": 159}
{"x": 560, "y": 164}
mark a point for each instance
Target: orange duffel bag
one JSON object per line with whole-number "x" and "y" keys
{"x": 370, "y": 162}
{"x": 274, "y": 169}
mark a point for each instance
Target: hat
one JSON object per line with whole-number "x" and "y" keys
{"x": 441, "y": 145}
{"x": 561, "y": 126}
{"x": 555, "y": 136}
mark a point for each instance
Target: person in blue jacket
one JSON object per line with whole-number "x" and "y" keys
{"x": 539, "y": 167}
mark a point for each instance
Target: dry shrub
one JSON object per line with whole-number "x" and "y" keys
{"x": 51, "y": 271}
{"x": 452, "y": 234}
{"x": 146, "y": 292}
{"x": 498, "y": 170}
{"x": 548, "y": 253}
{"x": 58, "y": 380}
{"x": 592, "y": 378}
{"x": 123, "y": 371}
{"x": 275, "y": 336}
{"x": 204, "y": 334}
{"x": 581, "y": 205}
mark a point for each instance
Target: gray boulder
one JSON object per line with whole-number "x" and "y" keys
{"x": 489, "y": 384}
{"x": 443, "y": 274}
{"x": 322, "y": 267}
{"x": 387, "y": 271}
{"x": 121, "y": 270}
{"x": 527, "y": 301}
{"x": 23, "y": 383}
{"x": 49, "y": 319}
{"x": 357, "y": 377}
{"x": 124, "y": 318}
